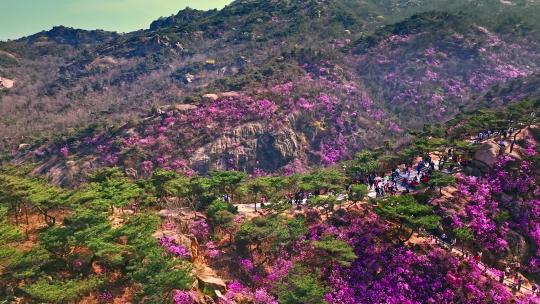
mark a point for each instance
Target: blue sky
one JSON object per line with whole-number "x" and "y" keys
{"x": 19, "y": 18}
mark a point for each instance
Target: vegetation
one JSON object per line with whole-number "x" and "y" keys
{"x": 101, "y": 237}
{"x": 290, "y": 110}
{"x": 60, "y": 291}
{"x": 408, "y": 213}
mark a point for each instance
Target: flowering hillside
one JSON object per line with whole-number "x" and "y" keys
{"x": 433, "y": 64}
{"x": 319, "y": 118}
{"x": 422, "y": 224}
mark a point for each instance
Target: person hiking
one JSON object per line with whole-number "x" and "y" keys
{"x": 371, "y": 181}
{"x": 292, "y": 198}
{"x": 478, "y": 257}
{"x": 442, "y": 162}
{"x": 452, "y": 243}
{"x": 535, "y": 289}
{"x": 420, "y": 167}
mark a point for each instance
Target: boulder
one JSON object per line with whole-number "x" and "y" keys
{"x": 167, "y": 213}
{"x": 210, "y": 97}
{"x": 131, "y": 172}
{"x": 102, "y": 62}
{"x": 8, "y": 55}
{"x": 209, "y": 278}
{"x": 487, "y": 153}
{"x": 184, "y": 107}
{"x": 23, "y": 147}
{"x": 6, "y": 83}
{"x": 229, "y": 94}
{"x": 179, "y": 46}
{"x": 179, "y": 238}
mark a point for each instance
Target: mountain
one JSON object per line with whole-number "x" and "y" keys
{"x": 260, "y": 85}
{"x": 276, "y": 151}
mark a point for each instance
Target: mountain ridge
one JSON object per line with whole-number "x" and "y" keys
{"x": 356, "y": 78}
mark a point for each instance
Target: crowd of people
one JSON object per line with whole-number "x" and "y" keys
{"x": 403, "y": 179}
{"x": 503, "y": 134}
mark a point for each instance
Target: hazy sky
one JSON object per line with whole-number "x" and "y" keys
{"x": 23, "y": 17}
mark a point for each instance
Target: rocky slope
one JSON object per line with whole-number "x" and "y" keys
{"x": 262, "y": 85}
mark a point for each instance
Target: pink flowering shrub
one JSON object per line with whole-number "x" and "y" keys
{"x": 383, "y": 272}
{"x": 238, "y": 293}
{"x": 170, "y": 245}
{"x": 334, "y": 151}
{"x": 246, "y": 265}
{"x": 480, "y": 214}
{"x": 211, "y": 250}
{"x": 184, "y": 297}
{"x": 64, "y": 151}
{"x": 200, "y": 229}
{"x": 105, "y": 297}
{"x": 509, "y": 189}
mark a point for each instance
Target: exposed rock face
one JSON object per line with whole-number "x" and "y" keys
{"x": 23, "y": 147}
{"x": 212, "y": 97}
{"x": 184, "y": 107}
{"x": 8, "y": 55}
{"x": 189, "y": 78}
{"x": 6, "y": 83}
{"x": 216, "y": 96}
{"x": 251, "y": 145}
{"x": 209, "y": 278}
{"x": 102, "y": 62}
{"x": 66, "y": 172}
{"x": 487, "y": 154}
{"x": 276, "y": 150}
{"x": 206, "y": 276}
{"x": 230, "y": 94}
